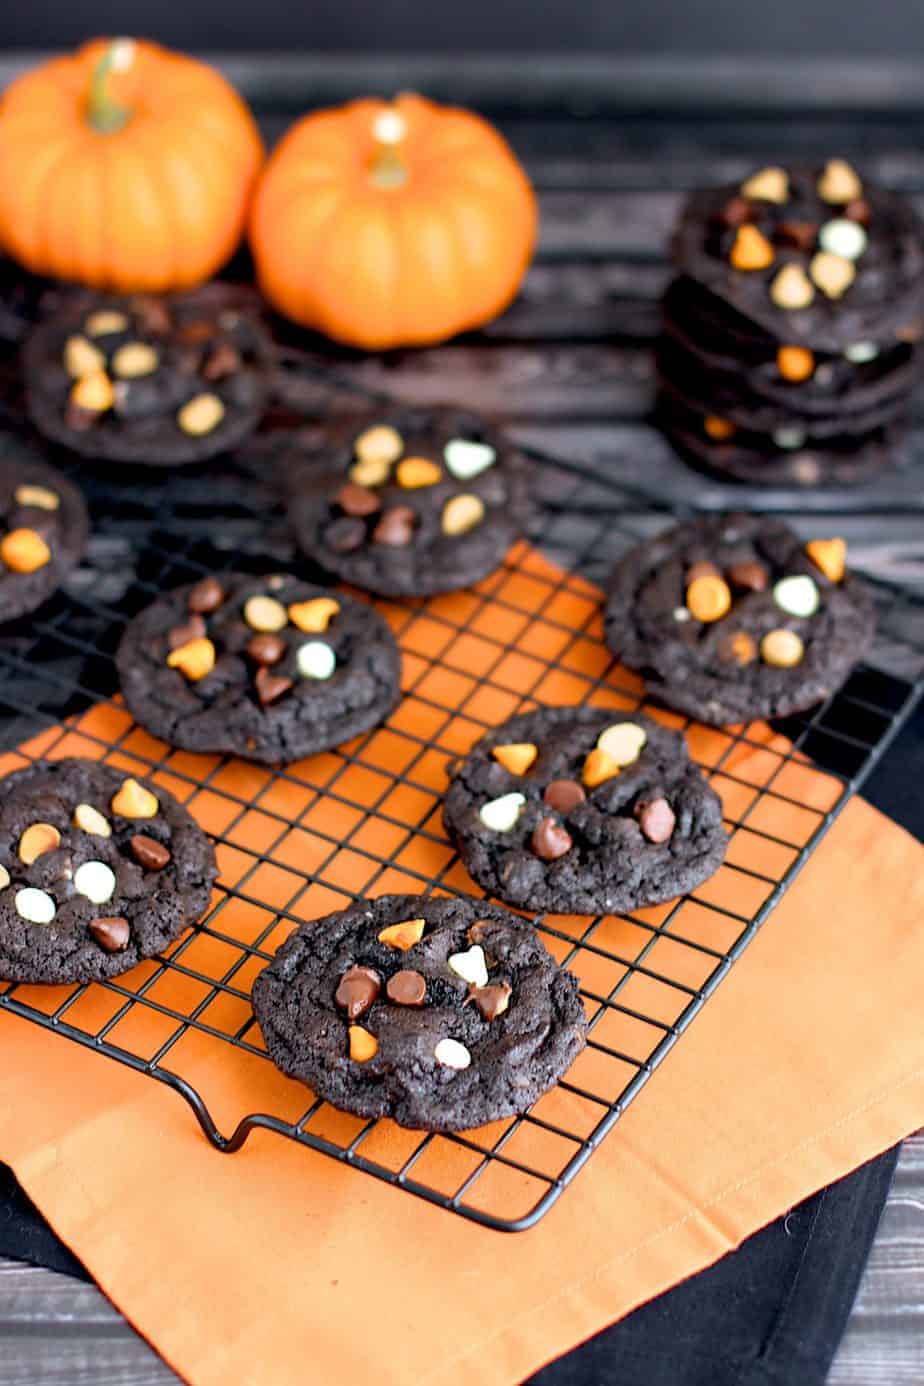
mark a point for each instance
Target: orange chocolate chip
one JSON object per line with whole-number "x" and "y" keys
{"x": 194, "y": 660}
{"x": 313, "y": 615}
{"x": 795, "y": 363}
{"x": 830, "y": 556}
{"x": 403, "y": 935}
{"x": 363, "y": 1046}
{"x": 708, "y": 598}
{"x": 751, "y": 250}
{"x": 719, "y": 429}
{"x": 517, "y": 757}
{"x": 414, "y": 472}
{"x": 24, "y": 551}
{"x": 93, "y": 392}
{"x": 598, "y": 767}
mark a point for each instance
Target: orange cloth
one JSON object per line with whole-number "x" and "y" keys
{"x": 280, "y": 1265}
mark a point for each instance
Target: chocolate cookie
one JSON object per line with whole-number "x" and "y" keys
{"x": 812, "y": 254}
{"x": 440, "y": 1013}
{"x": 43, "y": 533}
{"x": 411, "y": 502}
{"x": 155, "y": 381}
{"x": 269, "y": 668}
{"x": 731, "y": 617}
{"x": 578, "y": 810}
{"x": 97, "y": 871}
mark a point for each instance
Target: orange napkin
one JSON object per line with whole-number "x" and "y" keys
{"x": 279, "y": 1264}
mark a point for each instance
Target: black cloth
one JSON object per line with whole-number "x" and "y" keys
{"x": 769, "y": 1314}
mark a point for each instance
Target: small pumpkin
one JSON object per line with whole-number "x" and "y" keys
{"x": 125, "y": 166}
{"x": 394, "y": 224}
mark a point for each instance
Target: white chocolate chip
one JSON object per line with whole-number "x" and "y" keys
{"x": 844, "y": 238}
{"x": 315, "y": 660}
{"x": 451, "y": 1054}
{"x": 789, "y": 438}
{"x": 106, "y": 321}
{"x": 4, "y": 878}
{"x": 797, "y": 596}
{"x": 832, "y": 273}
{"x": 90, "y": 820}
{"x": 34, "y": 905}
{"x": 681, "y": 613}
{"x": 838, "y": 182}
{"x": 201, "y": 415}
{"x": 622, "y": 742}
{"x": 82, "y": 358}
{"x": 858, "y": 353}
{"x": 134, "y": 359}
{"x": 38, "y": 839}
{"x": 792, "y": 288}
{"x": 96, "y": 881}
{"x": 466, "y": 459}
{"x": 471, "y": 966}
{"x": 500, "y": 815}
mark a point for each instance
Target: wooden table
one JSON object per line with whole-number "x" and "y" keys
{"x": 612, "y": 147}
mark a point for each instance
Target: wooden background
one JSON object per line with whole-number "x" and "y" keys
{"x": 612, "y": 148}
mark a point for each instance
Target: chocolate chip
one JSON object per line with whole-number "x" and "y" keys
{"x": 357, "y": 500}
{"x": 737, "y": 647}
{"x": 270, "y": 687}
{"x": 563, "y": 795}
{"x": 396, "y": 527}
{"x": 858, "y": 210}
{"x": 149, "y": 853}
{"x": 266, "y": 648}
{"x": 656, "y": 819}
{"x": 357, "y": 990}
{"x": 345, "y": 534}
{"x": 206, "y": 596}
{"x": 702, "y": 569}
{"x": 194, "y": 629}
{"x": 799, "y": 234}
{"x": 736, "y": 212}
{"x": 477, "y": 931}
{"x": 550, "y": 840}
{"x": 224, "y": 360}
{"x": 750, "y": 577}
{"x": 111, "y": 933}
{"x": 79, "y": 420}
{"x": 195, "y": 332}
{"x": 153, "y": 314}
{"x": 406, "y": 988}
{"x": 492, "y": 1000}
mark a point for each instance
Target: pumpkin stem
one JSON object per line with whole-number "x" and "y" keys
{"x": 103, "y": 112}
{"x": 387, "y": 168}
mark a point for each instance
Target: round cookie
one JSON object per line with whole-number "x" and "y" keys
{"x": 98, "y": 871}
{"x": 578, "y": 810}
{"x": 699, "y": 611}
{"x": 443, "y": 1014}
{"x": 755, "y": 459}
{"x": 411, "y": 502}
{"x": 736, "y": 239}
{"x": 269, "y": 668}
{"x": 162, "y": 382}
{"x": 43, "y": 533}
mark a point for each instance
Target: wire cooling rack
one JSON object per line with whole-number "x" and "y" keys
{"x": 364, "y": 819}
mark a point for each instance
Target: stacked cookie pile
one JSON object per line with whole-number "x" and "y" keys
{"x": 790, "y": 336}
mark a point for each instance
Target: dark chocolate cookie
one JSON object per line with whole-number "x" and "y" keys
{"x": 812, "y": 254}
{"x": 155, "y": 381}
{"x": 578, "y": 810}
{"x": 97, "y": 871}
{"x": 732, "y": 617}
{"x": 440, "y": 1013}
{"x": 411, "y": 502}
{"x": 43, "y": 533}
{"x": 269, "y": 668}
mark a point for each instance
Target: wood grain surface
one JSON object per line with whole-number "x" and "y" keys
{"x": 569, "y": 366}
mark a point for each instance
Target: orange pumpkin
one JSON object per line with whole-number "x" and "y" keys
{"x": 396, "y": 224}
{"x": 125, "y": 166}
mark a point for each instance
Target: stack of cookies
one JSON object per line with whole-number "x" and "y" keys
{"x": 790, "y": 336}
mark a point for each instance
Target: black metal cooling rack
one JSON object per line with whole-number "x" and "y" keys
{"x": 644, "y": 984}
